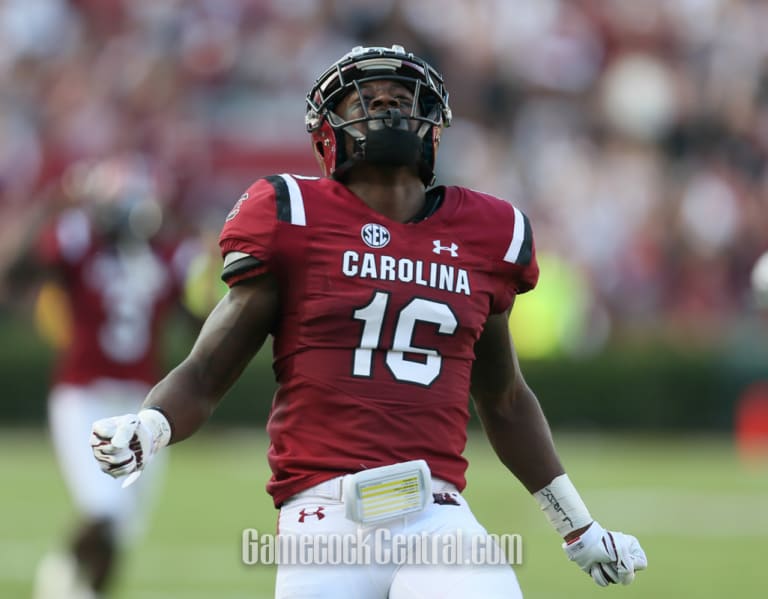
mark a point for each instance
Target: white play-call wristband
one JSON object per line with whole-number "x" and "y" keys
{"x": 563, "y": 505}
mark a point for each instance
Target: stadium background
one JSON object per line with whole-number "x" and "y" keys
{"x": 633, "y": 134}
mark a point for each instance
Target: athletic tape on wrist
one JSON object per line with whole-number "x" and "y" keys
{"x": 563, "y": 505}
{"x": 158, "y": 426}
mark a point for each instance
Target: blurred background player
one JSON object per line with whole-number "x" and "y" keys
{"x": 100, "y": 250}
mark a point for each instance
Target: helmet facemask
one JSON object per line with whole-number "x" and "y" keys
{"x": 389, "y": 137}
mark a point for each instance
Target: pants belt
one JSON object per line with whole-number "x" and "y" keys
{"x": 331, "y": 489}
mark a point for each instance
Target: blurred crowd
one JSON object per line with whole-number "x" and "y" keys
{"x": 634, "y": 134}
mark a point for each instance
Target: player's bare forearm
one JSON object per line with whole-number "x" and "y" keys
{"x": 509, "y": 410}
{"x": 231, "y": 336}
{"x": 520, "y": 435}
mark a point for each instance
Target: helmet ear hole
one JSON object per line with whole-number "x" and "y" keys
{"x": 319, "y": 148}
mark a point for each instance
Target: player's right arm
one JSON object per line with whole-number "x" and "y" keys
{"x": 238, "y": 325}
{"x": 183, "y": 401}
{"x": 231, "y": 335}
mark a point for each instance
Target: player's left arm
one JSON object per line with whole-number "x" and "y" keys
{"x": 510, "y": 412}
{"x": 520, "y": 434}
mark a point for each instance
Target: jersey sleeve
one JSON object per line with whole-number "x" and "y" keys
{"x": 246, "y": 241}
{"x": 518, "y": 268}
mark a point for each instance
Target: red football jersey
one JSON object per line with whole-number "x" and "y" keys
{"x": 374, "y": 347}
{"x": 117, "y": 300}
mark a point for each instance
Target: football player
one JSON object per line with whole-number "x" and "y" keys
{"x": 388, "y": 299}
{"x": 118, "y": 282}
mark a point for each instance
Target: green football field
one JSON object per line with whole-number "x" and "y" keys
{"x": 700, "y": 513}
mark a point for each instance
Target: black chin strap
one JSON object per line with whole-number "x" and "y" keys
{"x": 391, "y": 147}
{"x": 388, "y": 142}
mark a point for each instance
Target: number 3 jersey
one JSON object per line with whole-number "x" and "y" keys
{"x": 373, "y": 347}
{"x": 117, "y": 296}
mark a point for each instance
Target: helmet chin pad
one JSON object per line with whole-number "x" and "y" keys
{"x": 389, "y": 142}
{"x": 390, "y": 147}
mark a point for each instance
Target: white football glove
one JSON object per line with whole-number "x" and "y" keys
{"x": 608, "y": 557}
{"x": 125, "y": 444}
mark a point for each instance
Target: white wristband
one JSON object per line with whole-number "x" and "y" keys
{"x": 563, "y": 505}
{"x": 158, "y": 426}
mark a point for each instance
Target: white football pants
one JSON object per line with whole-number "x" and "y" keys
{"x": 382, "y": 570}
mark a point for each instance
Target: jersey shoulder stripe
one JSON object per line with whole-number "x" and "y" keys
{"x": 491, "y": 213}
{"x": 520, "y": 248}
{"x": 289, "y": 199}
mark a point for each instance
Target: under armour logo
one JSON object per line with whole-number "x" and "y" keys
{"x": 453, "y": 248}
{"x": 318, "y": 512}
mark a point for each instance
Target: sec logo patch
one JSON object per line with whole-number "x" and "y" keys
{"x": 375, "y": 236}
